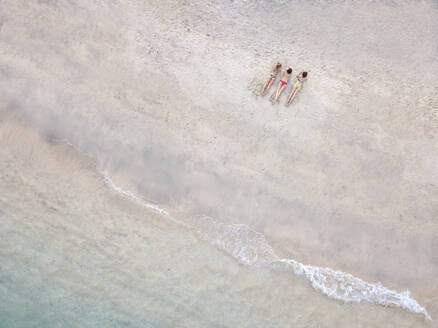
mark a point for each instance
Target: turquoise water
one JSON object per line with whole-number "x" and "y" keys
{"x": 122, "y": 124}
{"x": 77, "y": 254}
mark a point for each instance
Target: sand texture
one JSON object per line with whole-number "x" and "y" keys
{"x": 164, "y": 97}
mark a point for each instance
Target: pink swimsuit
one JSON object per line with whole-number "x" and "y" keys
{"x": 283, "y": 82}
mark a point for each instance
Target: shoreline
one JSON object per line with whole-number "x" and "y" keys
{"x": 235, "y": 240}
{"x": 77, "y": 164}
{"x": 157, "y": 93}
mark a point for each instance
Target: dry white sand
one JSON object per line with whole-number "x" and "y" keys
{"x": 158, "y": 93}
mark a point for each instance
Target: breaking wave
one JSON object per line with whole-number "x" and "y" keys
{"x": 249, "y": 247}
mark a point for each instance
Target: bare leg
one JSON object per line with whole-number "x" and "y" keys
{"x": 267, "y": 86}
{"x": 275, "y": 93}
{"x": 279, "y": 92}
{"x": 292, "y": 95}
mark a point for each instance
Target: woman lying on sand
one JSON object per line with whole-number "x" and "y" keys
{"x": 271, "y": 79}
{"x": 296, "y": 87}
{"x": 281, "y": 85}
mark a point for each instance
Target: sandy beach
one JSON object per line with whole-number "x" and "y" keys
{"x": 163, "y": 98}
{"x": 76, "y": 253}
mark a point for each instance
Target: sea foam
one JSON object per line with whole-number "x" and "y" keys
{"x": 126, "y": 193}
{"x": 249, "y": 247}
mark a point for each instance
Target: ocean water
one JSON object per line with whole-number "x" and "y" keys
{"x": 145, "y": 183}
{"x": 76, "y": 253}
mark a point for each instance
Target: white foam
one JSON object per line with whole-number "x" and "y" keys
{"x": 130, "y": 195}
{"x": 111, "y": 184}
{"x": 251, "y": 248}
{"x": 108, "y": 182}
{"x": 157, "y": 209}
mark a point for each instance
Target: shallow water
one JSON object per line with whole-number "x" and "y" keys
{"x": 77, "y": 254}
{"x": 161, "y": 97}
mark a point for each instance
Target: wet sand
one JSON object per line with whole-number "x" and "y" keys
{"x": 161, "y": 95}
{"x": 74, "y": 253}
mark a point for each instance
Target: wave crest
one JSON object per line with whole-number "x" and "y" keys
{"x": 250, "y": 247}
